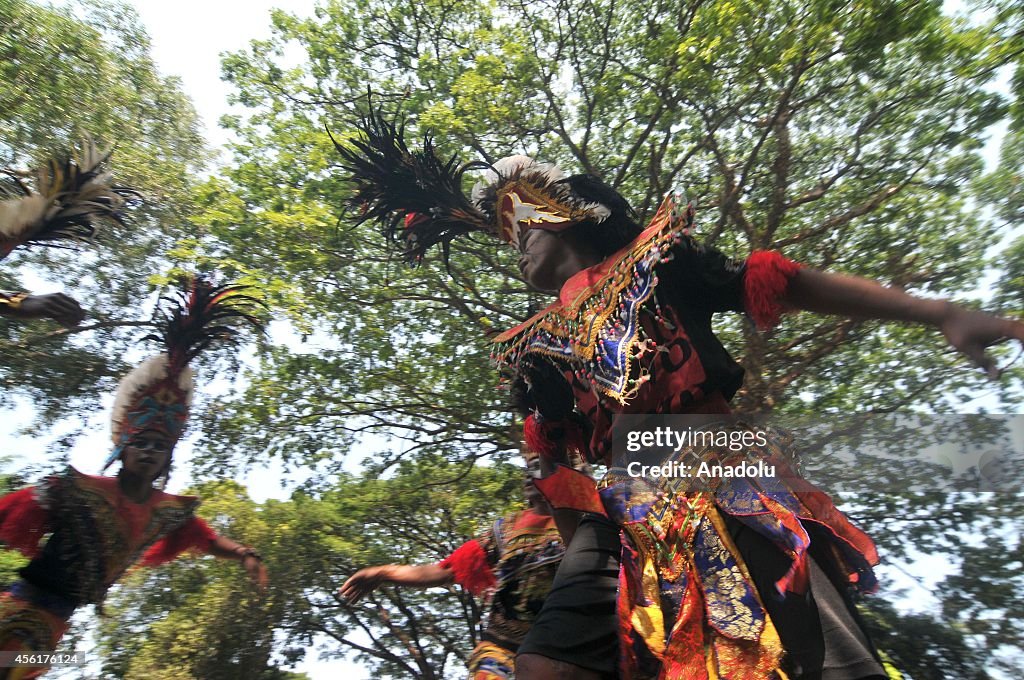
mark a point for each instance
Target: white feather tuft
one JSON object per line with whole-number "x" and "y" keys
{"x": 20, "y": 215}
{"x": 510, "y": 165}
{"x": 140, "y": 379}
{"x": 599, "y": 211}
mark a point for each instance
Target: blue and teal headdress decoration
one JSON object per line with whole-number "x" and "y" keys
{"x": 156, "y": 395}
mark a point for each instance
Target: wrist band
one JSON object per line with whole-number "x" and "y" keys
{"x": 248, "y": 552}
{"x": 12, "y": 300}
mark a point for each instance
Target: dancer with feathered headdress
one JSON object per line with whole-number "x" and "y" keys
{"x": 661, "y": 578}
{"x": 62, "y": 203}
{"x": 98, "y": 527}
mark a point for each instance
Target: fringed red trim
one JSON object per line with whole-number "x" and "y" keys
{"x": 569, "y": 489}
{"x": 471, "y": 569}
{"x": 23, "y": 521}
{"x": 195, "y": 535}
{"x": 414, "y": 218}
{"x": 535, "y": 433}
{"x": 765, "y": 281}
{"x": 546, "y": 437}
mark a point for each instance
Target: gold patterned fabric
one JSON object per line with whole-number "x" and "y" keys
{"x": 688, "y": 604}
{"x": 595, "y": 325}
{"x": 524, "y": 549}
{"x": 27, "y": 627}
{"x": 98, "y": 533}
{"x": 491, "y": 662}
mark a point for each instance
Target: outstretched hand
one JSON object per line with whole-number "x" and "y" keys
{"x": 57, "y": 306}
{"x": 257, "y": 572}
{"x": 971, "y": 332}
{"x": 362, "y": 583}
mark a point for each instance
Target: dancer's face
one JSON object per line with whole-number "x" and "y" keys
{"x": 147, "y": 454}
{"x": 550, "y": 258}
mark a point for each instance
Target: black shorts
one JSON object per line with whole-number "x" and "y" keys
{"x": 578, "y": 622}
{"x": 820, "y": 629}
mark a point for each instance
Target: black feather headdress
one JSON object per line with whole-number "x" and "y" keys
{"x": 72, "y": 195}
{"x": 417, "y": 199}
{"x": 415, "y": 196}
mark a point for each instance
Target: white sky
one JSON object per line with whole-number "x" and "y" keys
{"x": 190, "y": 35}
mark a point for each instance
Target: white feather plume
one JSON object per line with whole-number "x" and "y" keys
{"x": 66, "y": 199}
{"x": 141, "y": 378}
{"x": 18, "y": 214}
{"x": 510, "y": 165}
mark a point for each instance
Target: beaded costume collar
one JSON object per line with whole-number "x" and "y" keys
{"x": 594, "y": 325}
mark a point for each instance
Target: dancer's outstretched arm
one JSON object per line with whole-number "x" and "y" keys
{"x": 365, "y": 581}
{"x": 251, "y": 561}
{"x": 57, "y": 306}
{"x": 969, "y": 331}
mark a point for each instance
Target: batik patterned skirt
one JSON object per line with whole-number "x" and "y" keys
{"x": 688, "y": 603}
{"x": 491, "y": 662}
{"x": 30, "y": 622}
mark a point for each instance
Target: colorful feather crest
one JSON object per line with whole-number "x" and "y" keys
{"x": 415, "y": 196}
{"x": 73, "y": 194}
{"x": 156, "y": 395}
{"x": 203, "y": 314}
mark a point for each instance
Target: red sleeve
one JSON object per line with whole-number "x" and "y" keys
{"x": 23, "y": 521}
{"x": 194, "y": 535}
{"x": 764, "y": 283}
{"x": 470, "y": 566}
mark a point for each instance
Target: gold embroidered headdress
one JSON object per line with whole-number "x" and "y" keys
{"x": 418, "y": 199}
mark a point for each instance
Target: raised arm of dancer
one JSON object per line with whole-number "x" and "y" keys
{"x": 367, "y": 580}
{"x": 224, "y": 547}
{"x": 57, "y": 306}
{"x": 967, "y": 330}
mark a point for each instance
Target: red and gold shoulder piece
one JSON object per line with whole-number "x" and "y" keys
{"x": 105, "y": 486}
{"x": 162, "y": 500}
{"x": 529, "y": 519}
{"x": 594, "y": 326}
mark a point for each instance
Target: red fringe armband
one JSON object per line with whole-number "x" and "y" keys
{"x": 195, "y": 535}
{"x": 471, "y": 568}
{"x": 547, "y": 436}
{"x": 765, "y": 281}
{"x": 569, "y": 489}
{"x": 23, "y": 521}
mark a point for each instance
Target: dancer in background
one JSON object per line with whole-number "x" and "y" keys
{"x": 513, "y": 562}
{"x": 72, "y": 196}
{"x": 95, "y": 527}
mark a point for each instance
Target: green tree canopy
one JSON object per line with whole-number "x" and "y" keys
{"x": 200, "y": 619}
{"x": 844, "y": 134}
{"x": 65, "y": 75}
